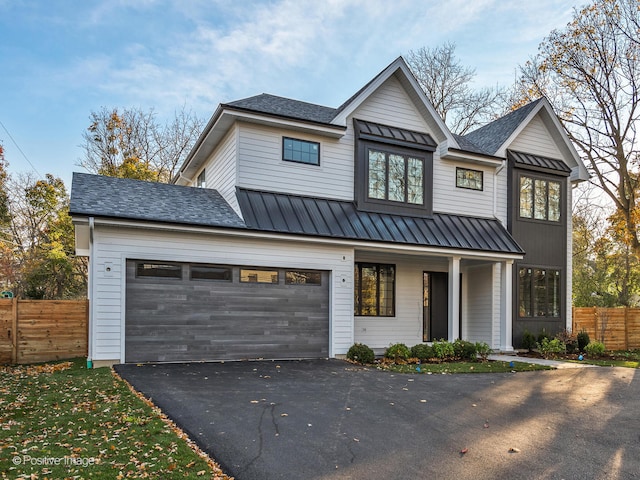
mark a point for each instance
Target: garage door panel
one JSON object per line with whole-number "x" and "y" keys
{"x": 192, "y": 320}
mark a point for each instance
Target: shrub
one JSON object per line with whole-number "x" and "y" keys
{"x": 569, "y": 339}
{"x": 422, "y": 352}
{"x": 528, "y": 340}
{"x": 443, "y": 350}
{"x": 583, "y": 340}
{"x": 551, "y": 348}
{"x": 542, "y": 335}
{"x": 397, "y": 351}
{"x": 594, "y": 349}
{"x": 483, "y": 349}
{"x": 361, "y": 353}
{"x": 464, "y": 350}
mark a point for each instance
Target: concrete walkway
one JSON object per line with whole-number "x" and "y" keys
{"x": 539, "y": 361}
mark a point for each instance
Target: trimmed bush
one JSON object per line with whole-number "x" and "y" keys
{"x": 397, "y": 351}
{"x": 542, "y": 335}
{"x": 422, "y": 352}
{"x": 483, "y": 349}
{"x": 569, "y": 339}
{"x": 528, "y": 340}
{"x": 594, "y": 349}
{"x": 551, "y": 348}
{"x": 583, "y": 340}
{"x": 443, "y": 350}
{"x": 361, "y": 353}
{"x": 464, "y": 350}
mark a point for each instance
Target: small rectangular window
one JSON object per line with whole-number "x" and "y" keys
{"x": 258, "y": 276}
{"x": 210, "y": 272}
{"x": 301, "y": 151}
{"x": 163, "y": 270}
{"x": 201, "y": 182}
{"x": 302, "y": 277}
{"x": 471, "y": 179}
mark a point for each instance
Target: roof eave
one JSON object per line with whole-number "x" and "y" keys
{"x": 448, "y": 153}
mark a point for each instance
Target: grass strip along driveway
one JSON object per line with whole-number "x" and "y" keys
{"x": 62, "y": 420}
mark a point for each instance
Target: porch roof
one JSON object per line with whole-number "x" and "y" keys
{"x": 292, "y": 214}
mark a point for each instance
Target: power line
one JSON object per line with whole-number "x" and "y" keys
{"x": 19, "y": 149}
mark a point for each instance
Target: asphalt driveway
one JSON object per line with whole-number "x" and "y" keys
{"x": 328, "y": 419}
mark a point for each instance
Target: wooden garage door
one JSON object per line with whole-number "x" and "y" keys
{"x": 191, "y": 312}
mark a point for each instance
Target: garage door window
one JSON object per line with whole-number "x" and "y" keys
{"x": 164, "y": 270}
{"x": 258, "y": 276}
{"x": 302, "y": 277}
{"x": 210, "y": 272}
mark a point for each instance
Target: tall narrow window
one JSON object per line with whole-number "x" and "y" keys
{"x": 374, "y": 290}
{"x": 201, "y": 182}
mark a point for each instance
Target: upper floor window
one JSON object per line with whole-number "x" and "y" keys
{"x": 471, "y": 179}
{"x": 395, "y": 177}
{"x": 540, "y": 199}
{"x": 201, "y": 181}
{"x": 302, "y": 151}
{"x": 393, "y": 169}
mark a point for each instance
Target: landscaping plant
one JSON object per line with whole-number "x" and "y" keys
{"x": 594, "y": 349}
{"x": 529, "y": 340}
{"x": 422, "y": 352}
{"x": 551, "y": 348}
{"x": 443, "y": 350}
{"x": 361, "y": 353}
{"x": 464, "y": 350}
{"x": 583, "y": 340}
{"x": 569, "y": 339}
{"x": 397, "y": 352}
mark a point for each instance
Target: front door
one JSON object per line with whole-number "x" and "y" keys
{"x": 435, "y": 320}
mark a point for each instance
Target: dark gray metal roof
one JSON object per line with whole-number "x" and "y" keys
{"x": 101, "y": 196}
{"x": 538, "y": 162}
{"x": 285, "y": 107}
{"x": 490, "y": 137}
{"x": 395, "y": 135}
{"x": 282, "y": 213}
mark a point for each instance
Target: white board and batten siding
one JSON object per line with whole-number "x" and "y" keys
{"x": 261, "y": 167}
{"x": 113, "y": 246}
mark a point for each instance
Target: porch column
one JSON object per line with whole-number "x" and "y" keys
{"x": 454, "y": 298}
{"x": 506, "y": 306}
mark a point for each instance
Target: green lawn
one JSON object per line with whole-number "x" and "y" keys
{"x": 623, "y": 358}
{"x": 64, "y": 421}
{"x": 464, "y": 367}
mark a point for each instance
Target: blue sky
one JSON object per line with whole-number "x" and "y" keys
{"x": 62, "y": 59}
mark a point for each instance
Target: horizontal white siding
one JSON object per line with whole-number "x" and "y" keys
{"x": 220, "y": 168}
{"x": 447, "y": 198}
{"x": 260, "y": 164}
{"x": 115, "y": 245}
{"x": 478, "y": 311}
{"x": 406, "y": 326}
{"x": 536, "y": 139}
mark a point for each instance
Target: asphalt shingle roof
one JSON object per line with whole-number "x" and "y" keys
{"x": 101, "y": 196}
{"x": 285, "y": 107}
{"x": 490, "y": 137}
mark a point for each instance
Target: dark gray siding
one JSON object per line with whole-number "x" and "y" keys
{"x": 192, "y": 320}
{"x": 545, "y": 244}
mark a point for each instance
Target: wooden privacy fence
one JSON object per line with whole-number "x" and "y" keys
{"x": 42, "y": 330}
{"x": 618, "y": 327}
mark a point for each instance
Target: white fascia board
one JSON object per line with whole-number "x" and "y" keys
{"x": 368, "y": 245}
{"x": 469, "y": 157}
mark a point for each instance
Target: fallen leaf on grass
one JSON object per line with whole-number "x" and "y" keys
{"x": 514, "y": 450}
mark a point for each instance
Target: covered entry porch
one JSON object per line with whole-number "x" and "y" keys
{"x": 415, "y": 296}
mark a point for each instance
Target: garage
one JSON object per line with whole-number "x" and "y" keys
{"x": 183, "y": 312}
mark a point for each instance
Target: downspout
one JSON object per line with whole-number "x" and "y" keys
{"x": 495, "y": 189}
{"x": 90, "y": 296}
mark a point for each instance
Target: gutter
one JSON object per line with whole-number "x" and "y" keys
{"x": 495, "y": 189}
{"x": 90, "y": 295}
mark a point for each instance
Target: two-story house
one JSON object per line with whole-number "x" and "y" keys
{"x": 294, "y": 230}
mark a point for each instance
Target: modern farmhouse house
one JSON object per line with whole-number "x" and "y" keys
{"x": 294, "y": 230}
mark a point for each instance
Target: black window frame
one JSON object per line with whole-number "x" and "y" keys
{"x": 533, "y": 309}
{"x": 464, "y": 169}
{"x": 540, "y": 178}
{"x": 358, "y": 303}
{"x": 300, "y": 140}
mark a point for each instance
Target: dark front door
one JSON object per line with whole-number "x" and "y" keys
{"x": 436, "y": 306}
